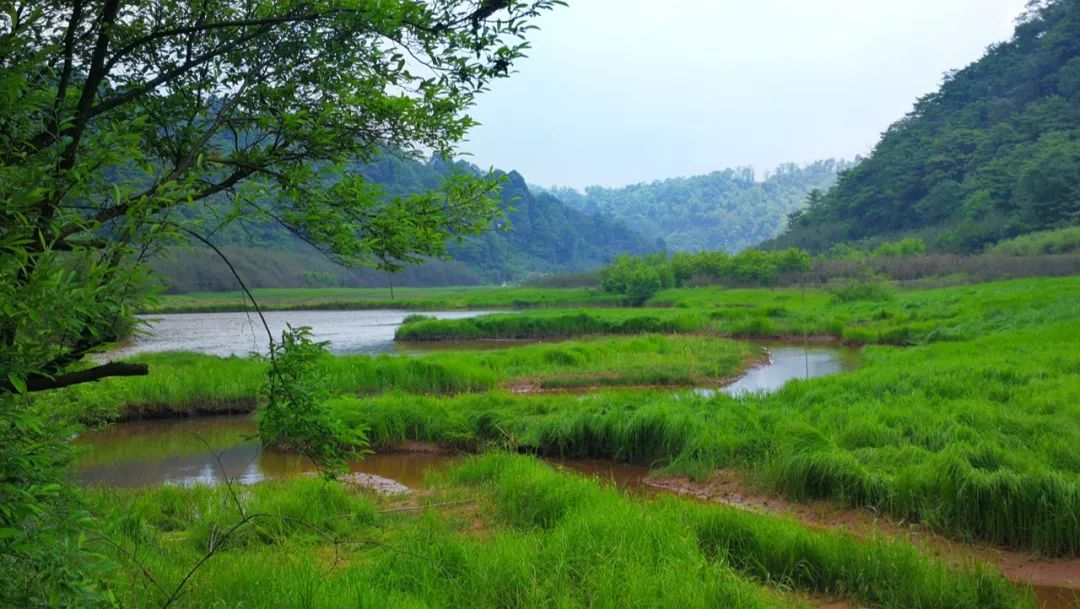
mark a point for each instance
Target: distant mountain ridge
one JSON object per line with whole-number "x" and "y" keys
{"x": 538, "y": 234}
{"x": 723, "y": 210}
{"x": 993, "y": 154}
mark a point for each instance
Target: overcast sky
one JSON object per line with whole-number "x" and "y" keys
{"x": 623, "y": 91}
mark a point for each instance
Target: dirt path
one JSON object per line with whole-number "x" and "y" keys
{"x": 1056, "y": 582}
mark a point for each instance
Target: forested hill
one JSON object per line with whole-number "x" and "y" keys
{"x": 994, "y": 153}
{"x": 545, "y": 235}
{"x": 724, "y": 210}
{"x": 538, "y": 234}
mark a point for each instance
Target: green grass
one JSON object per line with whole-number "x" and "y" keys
{"x": 1060, "y": 241}
{"x": 430, "y": 299}
{"x": 974, "y": 437}
{"x": 972, "y": 427}
{"x": 907, "y": 318}
{"x": 528, "y": 537}
{"x": 554, "y": 324}
{"x": 189, "y": 383}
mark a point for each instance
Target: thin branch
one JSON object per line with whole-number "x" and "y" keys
{"x": 179, "y": 70}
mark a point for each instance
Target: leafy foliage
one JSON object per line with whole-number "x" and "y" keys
{"x": 534, "y": 233}
{"x": 990, "y": 155}
{"x": 42, "y": 558}
{"x": 724, "y": 210}
{"x": 294, "y": 414}
{"x": 1062, "y": 241}
{"x": 638, "y": 278}
{"x": 119, "y": 117}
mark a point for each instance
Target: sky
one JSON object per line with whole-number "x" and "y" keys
{"x": 623, "y": 91}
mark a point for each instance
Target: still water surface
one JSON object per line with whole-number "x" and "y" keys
{"x": 205, "y": 449}
{"x": 242, "y": 333}
{"x": 788, "y": 362}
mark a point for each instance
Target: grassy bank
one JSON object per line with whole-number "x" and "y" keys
{"x": 421, "y": 299}
{"x": 975, "y": 437}
{"x": 972, "y": 427}
{"x": 505, "y": 532}
{"x": 855, "y": 314}
{"x": 189, "y": 383}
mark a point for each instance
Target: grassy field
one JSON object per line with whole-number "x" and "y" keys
{"x": 964, "y": 414}
{"x": 421, "y": 299}
{"x": 501, "y": 531}
{"x": 972, "y": 429}
{"x": 904, "y": 317}
{"x": 190, "y": 383}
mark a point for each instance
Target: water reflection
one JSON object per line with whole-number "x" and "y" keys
{"x": 226, "y": 334}
{"x": 787, "y": 362}
{"x": 203, "y": 450}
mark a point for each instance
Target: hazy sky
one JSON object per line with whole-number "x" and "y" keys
{"x": 622, "y": 91}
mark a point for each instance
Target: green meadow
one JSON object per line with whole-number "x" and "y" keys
{"x": 851, "y": 314}
{"x": 963, "y": 416}
{"x": 191, "y": 383}
{"x": 501, "y": 531}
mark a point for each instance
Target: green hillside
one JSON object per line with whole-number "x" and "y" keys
{"x": 537, "y": 234}
{"x": 993, "y": 154}
{"x": 724, "y": 210}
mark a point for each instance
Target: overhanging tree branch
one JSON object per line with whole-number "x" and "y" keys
{"x": 44, "y": 383}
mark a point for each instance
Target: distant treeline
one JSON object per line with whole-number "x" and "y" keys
{"x": 638, "y": 278}
{"x": 537, "y": 235}
{"x": 201, "y": 270}
{"x": 724, "y": 210}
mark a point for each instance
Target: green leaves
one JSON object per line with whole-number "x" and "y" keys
{"x": 18, "y": 382}
{"x": 295, "y": 414}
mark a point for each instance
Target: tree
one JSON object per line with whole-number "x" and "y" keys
{"x": 117, "y": 116}
{"x": 123, "y": 121}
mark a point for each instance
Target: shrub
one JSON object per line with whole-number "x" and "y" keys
{"x": 854, "y": 291}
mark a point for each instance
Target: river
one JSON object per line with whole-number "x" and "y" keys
{"x": 226, "y": 334}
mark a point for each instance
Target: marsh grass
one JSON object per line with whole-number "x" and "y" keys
{"x": 906, "y": 317}
{"x": 975, "y": 437}
{"x": 189, "y": 383}
{"x": 556, "y": 324}
{"x": 972, "y": 429}
{"x": 526, "y": 536}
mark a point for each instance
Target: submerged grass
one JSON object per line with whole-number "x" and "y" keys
{"x": 528, "y": 537}
{"x": 188, "y": 383}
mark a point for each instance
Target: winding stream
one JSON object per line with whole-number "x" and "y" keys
{"x": 182, "y": 451}
{"x": 204, "y": 450}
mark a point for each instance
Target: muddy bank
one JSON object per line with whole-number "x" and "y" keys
{"x": 1056, "y": 582}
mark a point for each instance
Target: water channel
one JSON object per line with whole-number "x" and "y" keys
{"x": 203, "y": 450}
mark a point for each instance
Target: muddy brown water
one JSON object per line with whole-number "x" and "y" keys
{"x": 207, "y": 449}
{"x": 202, "y": 450}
